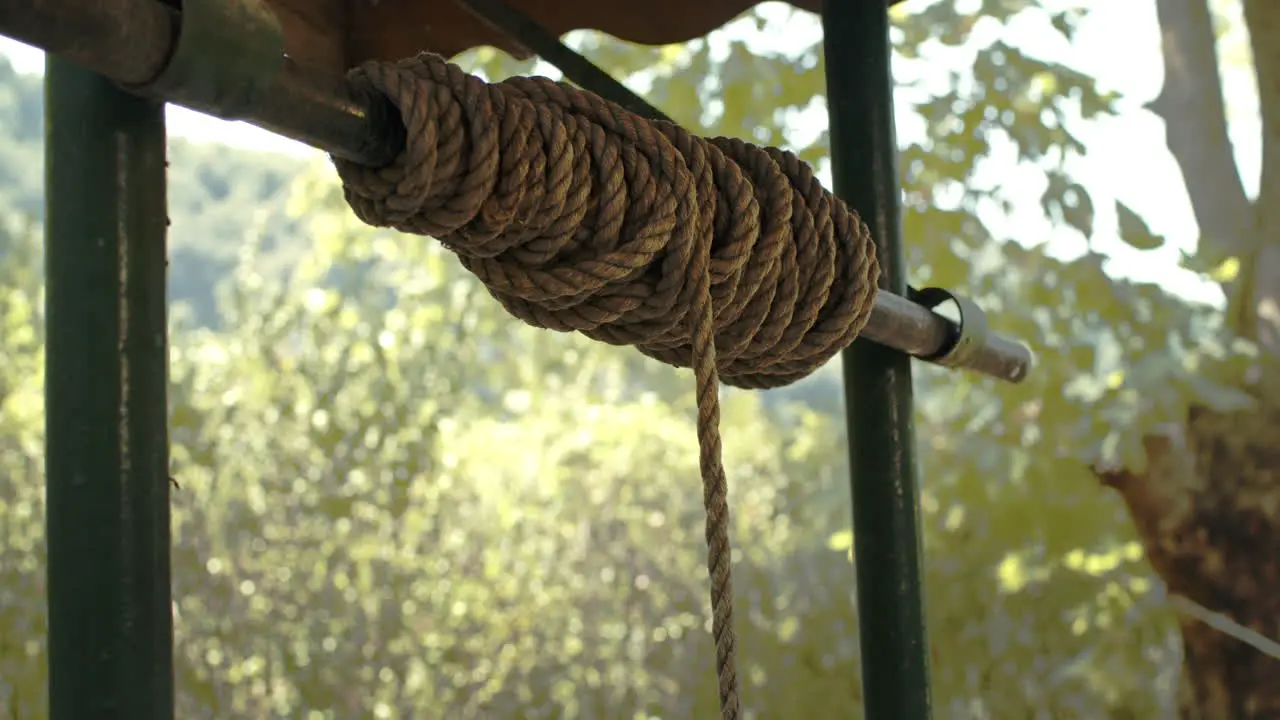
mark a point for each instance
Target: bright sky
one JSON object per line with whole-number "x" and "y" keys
{"x": 1120, "y": 45}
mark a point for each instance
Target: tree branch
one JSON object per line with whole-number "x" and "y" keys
{"x": 1263, "y": 19}
{"x": 1193, "y": 109}
{"x": 1191, "y": 105}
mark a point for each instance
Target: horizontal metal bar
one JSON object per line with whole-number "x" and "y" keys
{"x": 912, "y": 326}
{"x": 131, "y": 41}
{"x": 325, "y": 112}
{"x": 898, "y": 323}
{"x": 125, "y": 40}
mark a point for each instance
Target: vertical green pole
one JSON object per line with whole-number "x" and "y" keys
{"x": 878, "y": 395}
{"x": 107, "y": 527}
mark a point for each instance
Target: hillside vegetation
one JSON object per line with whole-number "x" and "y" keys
{"x": 396, "y": 501}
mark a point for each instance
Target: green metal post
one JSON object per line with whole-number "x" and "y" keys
{"x": 107, "y": 528}
{"x": 877, "y": 380}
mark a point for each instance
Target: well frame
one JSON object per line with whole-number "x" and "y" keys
{"x": 113, "y": 64}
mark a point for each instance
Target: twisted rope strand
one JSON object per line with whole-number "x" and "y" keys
{"x": 577, "y": 215}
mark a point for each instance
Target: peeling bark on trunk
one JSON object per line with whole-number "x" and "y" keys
{"x": 1207, "y": 507}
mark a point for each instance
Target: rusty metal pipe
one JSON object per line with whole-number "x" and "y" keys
{"x": 132, "y": 41}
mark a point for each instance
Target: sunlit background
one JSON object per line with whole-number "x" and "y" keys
{"x": 398, "y": 502}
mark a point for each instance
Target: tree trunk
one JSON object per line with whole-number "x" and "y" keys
{"x": 1263, "y": 18}
{"x": 1207, "y": 506}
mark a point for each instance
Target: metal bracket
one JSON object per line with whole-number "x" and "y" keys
{"x": 972, "y": 328}
{"x": 225, "y": 61}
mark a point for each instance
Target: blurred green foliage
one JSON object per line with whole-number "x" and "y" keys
{"x": 396, "y": 501}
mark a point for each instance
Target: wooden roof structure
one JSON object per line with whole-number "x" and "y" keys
{"x": 339, "y": 34}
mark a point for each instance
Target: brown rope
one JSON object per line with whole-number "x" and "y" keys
{"x": 578, "y": 215}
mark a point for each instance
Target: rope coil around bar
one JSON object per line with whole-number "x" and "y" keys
{"x": 576, "y": 214}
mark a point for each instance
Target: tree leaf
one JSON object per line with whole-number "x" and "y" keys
{"x": 1134, "y": 231}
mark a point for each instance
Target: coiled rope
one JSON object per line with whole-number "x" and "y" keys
{"x": 578, "y": 215}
